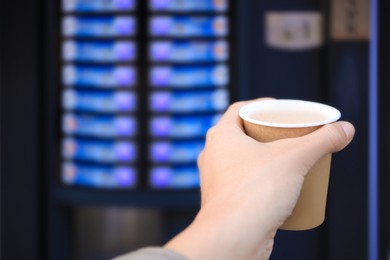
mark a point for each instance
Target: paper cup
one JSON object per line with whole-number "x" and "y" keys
{"x": 271, "y": 120}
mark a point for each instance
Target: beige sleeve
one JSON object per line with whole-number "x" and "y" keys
{"x": 151, "y": 253}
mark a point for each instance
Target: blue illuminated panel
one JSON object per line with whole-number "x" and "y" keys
{"x": 189, "y": 102}
{"x": 186, "y": 84}
{"x": 99, "y": 126}
{"x": 186, "y": 77}
{"x": 95, "y": 6}
{"x": 99, "y": 77}
{"x": 164, "y": 177}
{"x": 188, "y": 26}
{"x": 95, "y": 52}
{"x": 188, "y": 81}
{"x": 98, "y": 176}
{"x": 101, "y": 102}
{"x": 98, "y": 27}
{"x": 189, "y": 51}
{"x": 175, "y": 152}
{"x": 181, "y": 126}
{"x": 99, "y": 151}
{"x": 188, "y": 5}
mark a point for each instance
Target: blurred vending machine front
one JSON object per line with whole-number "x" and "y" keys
{"x": 140, "y": 83}
{"x": 137, "y": 85}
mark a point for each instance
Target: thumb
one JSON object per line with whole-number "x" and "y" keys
{"x": 330, "y": 138}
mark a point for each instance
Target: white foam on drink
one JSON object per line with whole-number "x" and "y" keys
{"x": 288, "y": 113}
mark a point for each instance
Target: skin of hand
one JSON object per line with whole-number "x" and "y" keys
{"x": 248, "y": 188}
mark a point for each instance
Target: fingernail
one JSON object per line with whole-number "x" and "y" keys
{"x": 349, "y": 130}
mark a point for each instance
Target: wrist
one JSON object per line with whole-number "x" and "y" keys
{"x": 217, "y": 234}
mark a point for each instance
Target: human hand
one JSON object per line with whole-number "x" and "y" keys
{"x": 250, "y": 188}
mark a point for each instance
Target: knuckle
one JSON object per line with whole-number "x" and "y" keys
{"x": 236, "y": 105}
{"x": 212, "y": 133}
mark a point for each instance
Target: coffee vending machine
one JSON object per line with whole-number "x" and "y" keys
{"x": 106, "y": 104}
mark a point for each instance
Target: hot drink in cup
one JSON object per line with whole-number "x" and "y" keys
{"x": 271, "y": 120}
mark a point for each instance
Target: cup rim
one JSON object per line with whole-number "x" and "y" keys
{"x": 246, "y": 110}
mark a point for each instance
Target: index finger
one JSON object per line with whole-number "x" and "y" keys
{"x": 231, "y": 115}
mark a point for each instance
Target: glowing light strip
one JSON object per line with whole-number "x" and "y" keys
{"x": 373, "y": 136}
